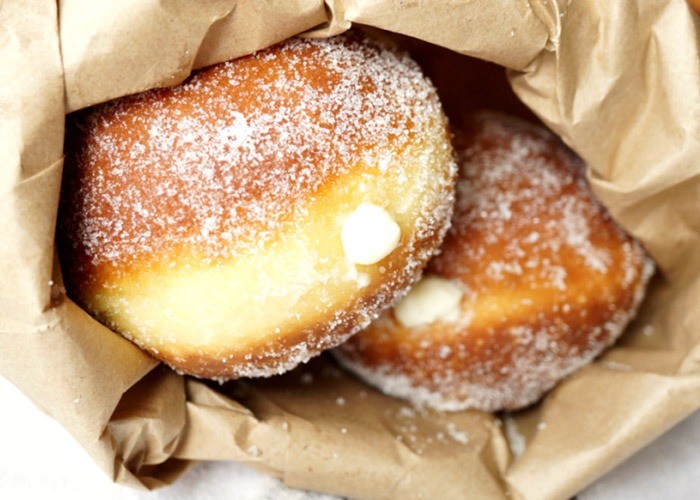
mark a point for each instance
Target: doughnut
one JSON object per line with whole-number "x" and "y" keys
{"x": 261, "y": 212}
{"x": 533, "y": 281}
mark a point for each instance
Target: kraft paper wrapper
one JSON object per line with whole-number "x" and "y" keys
{"x": 618, "y": 81}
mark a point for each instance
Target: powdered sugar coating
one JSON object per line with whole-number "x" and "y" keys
{"x": 252, "y": 159}
{"x": 549, "y": 280}
{"x": 371, "y": 101}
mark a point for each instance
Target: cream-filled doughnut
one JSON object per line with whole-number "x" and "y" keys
{"x": 533, "y": 281}
{"x": 263, "y": 211}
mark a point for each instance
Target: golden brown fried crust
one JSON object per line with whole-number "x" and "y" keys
{"x": 549, "y": 280}
{"x": 127, "y": 121}
{"x": 175, "y": 183}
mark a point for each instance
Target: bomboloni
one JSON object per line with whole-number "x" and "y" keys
{"x": 261, "y": 212}
{"x": 534, "y": 280}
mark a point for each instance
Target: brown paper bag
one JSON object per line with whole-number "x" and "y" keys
{"x": 619, "y": 81}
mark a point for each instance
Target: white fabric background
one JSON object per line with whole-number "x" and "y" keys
{"x": 39, "y": 459}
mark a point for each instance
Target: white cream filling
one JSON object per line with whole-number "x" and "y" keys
{"x": 431, "y": 299}
{"x": 369, "y": 234}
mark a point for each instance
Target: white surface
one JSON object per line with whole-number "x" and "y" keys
{"x": 39, "y": 459}
{"x": 666, "y": 469}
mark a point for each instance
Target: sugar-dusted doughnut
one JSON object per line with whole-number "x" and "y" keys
{"x": 534, "y": 280}
{"x": 261, "y": 212}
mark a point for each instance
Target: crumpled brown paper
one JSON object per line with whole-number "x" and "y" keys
{"x": 619, "y": 81}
